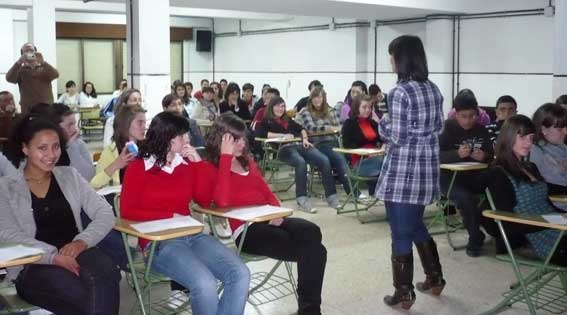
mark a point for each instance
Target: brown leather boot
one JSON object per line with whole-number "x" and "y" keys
{"x": 402, "y": 270}
{"x": 429, "y": 256}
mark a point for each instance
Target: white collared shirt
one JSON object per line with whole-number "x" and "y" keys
{"x": 177, "y": 160}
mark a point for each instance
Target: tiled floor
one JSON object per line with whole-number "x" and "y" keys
{"x": 358, "y": 274}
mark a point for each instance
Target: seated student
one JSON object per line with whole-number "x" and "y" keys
{"x": 379, "y": 100}
{"x": 70, "y": 97}
{"x": 235, "y": 181}
{"x": 88, "y": 96}
{"x": 549, "y": 152}
{"x": 191, "y": 102}
{"x": 129, "y": 126}
{"x": 199, "y": 94}
{"x": 129, "y": 98}
{"x": 277, "y": 124}
{"x": 217, "y": 93}
{"x": 517, "y": 186}
{"x": 318, "y": 116}
{"x": 178, "y": 89}
{"x": 172, "y": 103}
{"x": 161, "y": 183}
{"x": 259, "y": 114}
{"x": 122, "y": 86}
{"x": 562, "y": 100}
{"x": 506, "y": 107}
{"x": 232, "y": 102}
{"x": 303, "y": 101}
{"x": 262, "y": 101}
{"x": 482, "y": 118}
{"x": 206, "y": 108}
{"x": 358, "y": 88}
{"x": 361, "y": 131}
{"x": 465, "y": 140}
{"x": 8, "y": 115}
{"x": 40, "y": 206}
{"x": 248, "y": 96}
{"x": 76, "y": 153}
{"x": 6, "y": 168}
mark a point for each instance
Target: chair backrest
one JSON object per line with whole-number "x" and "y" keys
{"x": 90, "y": 114}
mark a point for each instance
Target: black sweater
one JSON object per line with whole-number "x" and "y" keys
{"x": 269, "y": 125}
{"x": 243, "y": 111}
{"x": 454, "y": 135}
{"x": 352, "y": 134}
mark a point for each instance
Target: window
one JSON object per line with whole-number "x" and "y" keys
{"x": 103, "y": 62}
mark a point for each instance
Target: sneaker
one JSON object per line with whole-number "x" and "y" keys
{"x": 333, "y": 201}
{"x": 305, "y": 205}
{"x": 221, "y": 226}
{"x": 177, "y": 298}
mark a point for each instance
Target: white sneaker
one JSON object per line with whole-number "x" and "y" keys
{"x": 40, "y": 311}
{"x": 305, "y": 205}
{"x": 333, "y": 201}
{"x": 177, "y": 298}
{"x": 222, "y": 227}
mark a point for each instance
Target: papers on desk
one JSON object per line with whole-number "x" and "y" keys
{"x": 280, "y": 139}
{"x": 18, "y": 251}
{"x": 247, "y": 214}
{"x": 555, "y": 218}
{"x": 466, "y": 163}
{"x": 109, "y": 190}
{"x": 366, "y": 151}
{"x": 166, "y": 224}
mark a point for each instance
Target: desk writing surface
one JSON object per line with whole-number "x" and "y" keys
{"x": 124, "y": 225}
{"x": 534, "y": 220}
{"x": 464, "y": 166}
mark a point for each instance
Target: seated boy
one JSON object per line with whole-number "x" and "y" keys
{"x": 465, "y": 140}
{"x": 506, "y": 107}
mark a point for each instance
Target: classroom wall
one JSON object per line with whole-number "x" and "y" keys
{"x": 501, "y": 55}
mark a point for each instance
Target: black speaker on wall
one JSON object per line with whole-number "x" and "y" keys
{"x": 204, "y": 40}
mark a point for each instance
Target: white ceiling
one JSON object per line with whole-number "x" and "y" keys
{"x": 282, "y": 9}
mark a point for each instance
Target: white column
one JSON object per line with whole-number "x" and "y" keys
{"x": 7, "y": 58}
{"x": 148, "y": 50}
{"x": 362, "y": 50}
{"x": 41, "y": 29}
{"x": 438, "y": 44}
{"x": 560, "y": 49}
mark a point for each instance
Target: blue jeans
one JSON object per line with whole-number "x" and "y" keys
{"x": 338, "y": 161}
{"x": 406, "y": 224}
{"x": 298, "y": 157}
{"x": 196, "y": 262}
{"x": 370, "y": 167}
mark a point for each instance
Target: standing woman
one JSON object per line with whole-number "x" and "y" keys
{"x": 409, "y": 179}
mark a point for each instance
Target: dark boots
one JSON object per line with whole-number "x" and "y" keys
{"x": 309, "y": 309}
{"x": 429, "y": 256}
{"x": 402, "y": 270}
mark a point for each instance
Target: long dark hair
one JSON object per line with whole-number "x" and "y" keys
{"x": 25, "y": 130}
{"x": 269, "y": 113}
{"x": 409, "y": 58}
{"x": 123, "y": 99}
{"x": 505, "y": 157}
{"x": 93, "y": 93}
{"x": 231, "y": 88}
{"x": 176, "y": 84}
{"x": 226, "y": 123}
{"x": 355, "y": 106}
{"x": 548, "y": 115}
{"x": 122, "y": 122}
{"x": 164, "y": 127}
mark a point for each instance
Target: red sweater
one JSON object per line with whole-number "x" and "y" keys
{"x": 155, "y": 194}
{"x": 230, "y": 189}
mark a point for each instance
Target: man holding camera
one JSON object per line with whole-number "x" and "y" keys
{"x": 33, "y": 76}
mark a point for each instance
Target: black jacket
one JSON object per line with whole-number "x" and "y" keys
{"x": 243, "y": 112}
{"x": 301, "y": 103}
{"x": 454, "y": 135}
{"x": 352, "y": 134}
{"x": 269, "y": 125}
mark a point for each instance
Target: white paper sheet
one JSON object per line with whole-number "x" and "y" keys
{"x": 555, "y": 218}
{"x": 367, "y": 151}
{"x": 247, "y": 214}
{"x": 166, "y": 224}
{"x": 281, "y": 139}
{"x": 109, "y": 190}
{"x": 18, "y": 251}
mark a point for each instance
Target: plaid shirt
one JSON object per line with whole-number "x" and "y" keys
{"x": 410, "y": 173}
{"x": 312, "y": 124}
